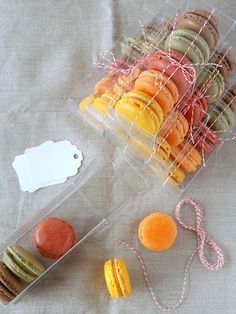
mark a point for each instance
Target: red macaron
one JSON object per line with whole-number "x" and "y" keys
{"x": 171, "y": 63}
{"x": 53, "y": 237}
{"x": 193, "y": 107}
{"x": 205, "y": 139}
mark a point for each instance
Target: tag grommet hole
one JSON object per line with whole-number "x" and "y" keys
{"x": 76, "y": 156}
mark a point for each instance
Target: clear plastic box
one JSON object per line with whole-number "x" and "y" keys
{"x": 87, "y": 211}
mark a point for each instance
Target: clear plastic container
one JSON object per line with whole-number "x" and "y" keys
{"x": 86, "y": 204}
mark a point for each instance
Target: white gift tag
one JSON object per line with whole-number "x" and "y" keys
{"x": 47, "y": 164}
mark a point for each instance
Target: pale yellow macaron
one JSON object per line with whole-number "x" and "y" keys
{"x": 117, "y": 278}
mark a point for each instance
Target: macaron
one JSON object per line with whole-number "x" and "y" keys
{"x": 157, "y": 231}
{"x": 53, "y": 237}
{"x": 174, "y": 128}
{"x": 10, "y": 286}
{"x": 176, "y": 174}
{"x": 117, "y": 278}
{"x": 189, "y": 43}
{"x": 200, "y": 21}
{"x": 176, "y": 66}
{"x": 131, "y": 47}
{"x": 161, "y": 150}
{"x": 211, "y": 83}
{"x": 105, "y": 85}
{"x": 186, "y": 156}
{"x": 125, "y": 82}
{"x": 22, "y": 263}
{"x": 160, "y": 87}
{"x": 225, "y": 62}
{"x": 194, "y": 107}
{"x": 142, "y": 109}
{"x": 100, "y": 104}
{"x": 204, "y": 139}
{"x": 230, "y": 97}
{"x": 221, "y": 117}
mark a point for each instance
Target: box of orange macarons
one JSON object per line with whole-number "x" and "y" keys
{"x": 166, "y": 96}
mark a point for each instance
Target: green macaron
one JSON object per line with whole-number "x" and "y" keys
{"x": 131, "y": 47}
{"x": 221, "y": 117}
{"x": 211, "y": 83}
{"x": 22, "y": 263}
{"x": 189, "y": 43}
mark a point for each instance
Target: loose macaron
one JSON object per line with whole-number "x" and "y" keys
{"x": 160, "y": 87}
{"x": 200, "y": 21}
{"x": 157, "y": 231}
{"x": 142, "y": 110}
{"x": 174, "y": 128}
{"x": 22, "y": 263}
{"x": 221, "y": 117}
{"x": 117, "y": 278}
{"x": 176, "y": 66}
{"x": 194, "y": 107}
{"x": 10, "y": 286}
{"x": 190, "y": 44}
{"x": 211, "y": 83}
{"x": 230, "y": 97}
{"x": 53, "y": 237}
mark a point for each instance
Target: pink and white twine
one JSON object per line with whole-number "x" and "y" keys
{"x": 203, "y": 239}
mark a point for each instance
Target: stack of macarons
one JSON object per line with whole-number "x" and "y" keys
{"x": 18, "y": 265}
{"x": 53, "y": 237}
{"x": 171, "y": 85}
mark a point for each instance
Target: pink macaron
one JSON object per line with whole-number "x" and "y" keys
{"x": 174, "y": 65}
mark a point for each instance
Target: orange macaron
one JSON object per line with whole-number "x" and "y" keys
{"x": 174, "y": 128}
{"x": 157, "y": 231}
{"x": 186, "y": 156}
{"x": 160, "y": 87}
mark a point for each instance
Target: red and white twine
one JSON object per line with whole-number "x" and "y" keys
{"x": 203, "y": 240}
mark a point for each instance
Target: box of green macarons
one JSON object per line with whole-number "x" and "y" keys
{"x": 165, "y": 94}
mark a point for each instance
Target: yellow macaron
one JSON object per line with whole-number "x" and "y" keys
{"x": 142, "y": 109}
{"x": 117, "y": 278}
{"x": 100, "y": 104}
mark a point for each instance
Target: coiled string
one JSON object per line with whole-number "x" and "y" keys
{"x": 203, "y": 240}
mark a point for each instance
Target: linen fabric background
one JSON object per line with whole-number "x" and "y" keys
{"x": 47, "y": 48}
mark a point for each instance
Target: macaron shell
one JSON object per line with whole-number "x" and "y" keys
{"x": 8, "y": 280}
{"x": 53, "y": 237}
{"x": 110, "y": 279}
{"x": 123, "y": 277}
{"x": 16, "y": 269}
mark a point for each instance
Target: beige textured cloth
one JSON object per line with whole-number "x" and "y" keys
{"x": 47, "y": 48}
